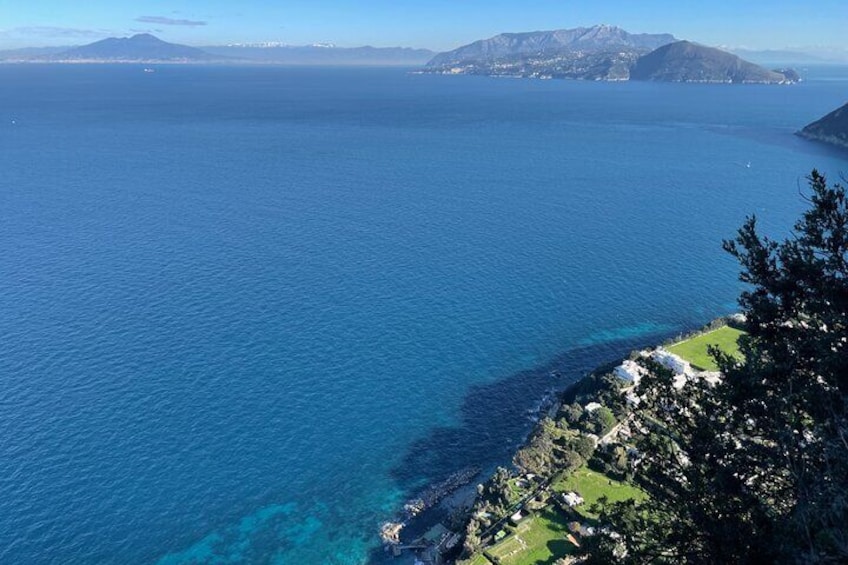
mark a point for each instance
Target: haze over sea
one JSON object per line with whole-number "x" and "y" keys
{"x": 245, "y": 312}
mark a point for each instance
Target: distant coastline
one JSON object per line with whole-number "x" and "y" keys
{"x": 144, "y": 48}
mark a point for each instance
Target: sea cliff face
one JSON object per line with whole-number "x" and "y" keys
{"x": 832, "y": 128}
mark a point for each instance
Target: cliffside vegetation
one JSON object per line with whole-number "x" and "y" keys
{"x": 660, "y": 461}
{"x": 754, "y": 470}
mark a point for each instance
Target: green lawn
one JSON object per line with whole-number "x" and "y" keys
{"x": 539, "y": 539}
{"x": 476, "y": 559}
{"x": 695, "y": 350}
{"x": 592, "y": 486}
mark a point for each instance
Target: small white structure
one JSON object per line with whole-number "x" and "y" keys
{"x": 679, "y": 381}
{"x": 587, "y": 531}
{"x": 632, "y": 399}
{"x": 671, "y": 361}
{"x": 630, "y": 371}
{"x": 711, "y": 377}
{"x": 572, "y": 499}
{"x": 516, "y": 517}
{"x": 592, "y": 406}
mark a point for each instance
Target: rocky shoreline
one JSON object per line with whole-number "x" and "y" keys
{"x": 442, "y": 543}
{"x": 427, "y": 499}
{"x": 824, "y": 138}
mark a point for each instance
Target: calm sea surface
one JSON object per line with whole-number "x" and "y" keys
{"x": 244, "y": 312}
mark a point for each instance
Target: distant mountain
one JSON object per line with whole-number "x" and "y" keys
{"x": 685, "y": 61}
{"x": 30, "y": 53}
{"x": 512, "y": 46}
{"x": 777, "y": 56}
{"x": 148, "y": 48}
{"x": 832, "y": 129}
{"x": 323, "y": 54}
{"x": 142, "y": 47}
{"x": 601, "y": 53}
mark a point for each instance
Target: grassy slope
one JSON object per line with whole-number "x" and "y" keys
{"x": 695, "y": 350}
{"x": 477, "y": 559}
{"x": 541, "y": 538}
{"x": 592, "y": 486}
{"x": 537, "y": 539}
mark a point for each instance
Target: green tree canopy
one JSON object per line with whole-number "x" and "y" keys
{"x": 755, "y": 469}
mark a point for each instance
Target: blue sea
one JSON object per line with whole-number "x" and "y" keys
{"x": 246, "y": 312}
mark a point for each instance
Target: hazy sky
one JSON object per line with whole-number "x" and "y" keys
{"x": 436, "y": 24}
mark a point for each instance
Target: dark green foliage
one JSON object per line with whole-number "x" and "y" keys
{"x": 539, "y": 455}
{"x": 571, "y": 461}
{"x": 494, "y": 491}
{"x": 472, "y": 538}
{"x": 756, "y": 469}
{"x": 611, "y": 460}
{"x": 795, "y": 379}
{"x": 571, "y": 413}
{"x": 602, "y": 420}
{"x": 583, "y": 446}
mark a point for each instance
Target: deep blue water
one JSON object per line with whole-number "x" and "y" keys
{"x": 245, "y": 311}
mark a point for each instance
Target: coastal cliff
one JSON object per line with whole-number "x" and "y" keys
{"x": 832, "y": 128}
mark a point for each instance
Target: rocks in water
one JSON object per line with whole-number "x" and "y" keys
{"x": 433, "y": 494}
{"x": 390, "y": 532}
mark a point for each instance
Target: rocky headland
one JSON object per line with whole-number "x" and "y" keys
{"x": 831, "y": 129}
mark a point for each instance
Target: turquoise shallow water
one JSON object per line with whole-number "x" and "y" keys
{"x": 246, "y": 311}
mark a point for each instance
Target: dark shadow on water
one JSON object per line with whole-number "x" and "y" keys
{"x": 495, "y": 419}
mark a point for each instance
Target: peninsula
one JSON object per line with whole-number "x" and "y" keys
{"x": 602, "y": 52}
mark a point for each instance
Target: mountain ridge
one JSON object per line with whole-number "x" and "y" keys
{"x": 602, "y": 53}
{"x": 139, "y": 47}
{"x": 593, "y": 38}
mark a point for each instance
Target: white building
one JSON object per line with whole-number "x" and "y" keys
{"x": 592, "y": 406}
{"x": 671, "y": 361}
{"x": 630, "y": 371}
{"x": 572, "y": 499}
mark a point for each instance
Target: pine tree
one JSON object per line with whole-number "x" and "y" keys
{"x": 755, "y": 469}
